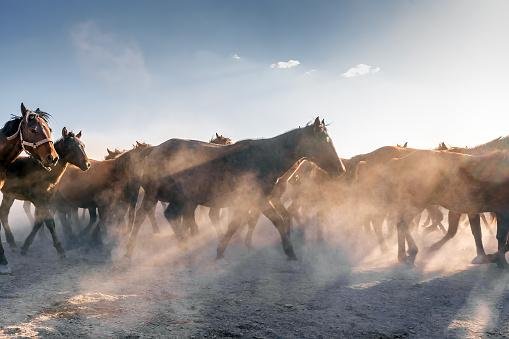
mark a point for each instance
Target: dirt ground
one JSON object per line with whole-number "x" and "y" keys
{"x": 337, "y": 288}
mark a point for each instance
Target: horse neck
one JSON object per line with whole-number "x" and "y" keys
{"x": 9, "y": 150}
{"x": 283, "y": 150}
{"x": 56, "y": 172}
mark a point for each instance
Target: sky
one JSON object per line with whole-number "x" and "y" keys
{"x": 379, "y": 72}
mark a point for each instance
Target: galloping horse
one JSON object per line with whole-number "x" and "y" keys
{"x": 27, "y": 180}
{"x": 187, "y": 173}
{"x": 92, "y": 211}
{"x": 498, "y": 144}
{"x": 29, "y": 132}
{"x": 104, "y": 186}
{"x": 372, "y": 216}
{"x": 461, "y": 183}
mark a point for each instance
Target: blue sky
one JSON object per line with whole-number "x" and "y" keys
{"x": 380, "y": 72}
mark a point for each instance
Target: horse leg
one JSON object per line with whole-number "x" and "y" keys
{"x": 5, "y": 207}
{"x": 50, "y": 224}
{"x": 4, "y": 265}
{"x": 149, "y": 200}
{"x": 28, "y": 211}
{"x": 454, "y": 219}
{"x": 153, "y": 220}
{"x": 400, "y": 226}
{"x": 282, "y": 223}
{"x": 189, "y": 221}
{"x": 377, "y": 223}
{"x": 92, "y": 212}
{"x": 173, "y": 214}
{"x": 237, "y": 220}
{"x": 412, "y": 247}
{"x": 28, "y": 241}
{"x": 404, "y": 237}
{"x": 252, "y": 220}
{"x": 475, "y": 227}
{"x": 64, "y": 216}
{"x": 216, "y": 222}
{"x": 502, "y": 233}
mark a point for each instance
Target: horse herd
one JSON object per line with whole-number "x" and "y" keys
{"x": 283, "y": 178}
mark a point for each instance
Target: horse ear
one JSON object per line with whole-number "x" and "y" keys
{"x": 23, "y": 109}
{"x": 37, "y": 110}
{"x": 316, "y": 124}
{"x": 78, "y": 135}
{"x": 217, "y": 135}
{"x": 64, "y": 132}
{"x": 323, "y": 122}
{"x": 138, "y": 143}
{"x": 109, "y": 152}
{"x": 405, "y": 144}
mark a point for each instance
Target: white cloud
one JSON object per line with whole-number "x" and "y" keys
{"x": 236, "y": 56}
{"x": 117, "y": 62}
{"x": 286, "y": 64}
{"x": 360, "y": 69}
{"x": 311, "y": 71}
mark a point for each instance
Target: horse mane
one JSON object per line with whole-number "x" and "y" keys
{"x": 139, "y": 145}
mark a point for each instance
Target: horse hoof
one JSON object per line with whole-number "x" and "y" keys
{"x": 5, "y": 269}
{"x": 480, "y": 260}
{"x": 61, "y": 255}
{"x": 291, "y": 258}
{"x": 502, "y": 264}
{"x": 219, "y": 256}
{"x": 492, "y": 258}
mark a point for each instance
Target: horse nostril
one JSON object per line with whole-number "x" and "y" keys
{"x": 52, "y": 160}
{"x": 88, "y": 165}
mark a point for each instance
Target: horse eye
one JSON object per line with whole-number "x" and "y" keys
{"x": 31, "y": 117}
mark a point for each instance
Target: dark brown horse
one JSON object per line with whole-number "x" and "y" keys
{"x": 29, "y": 132}
{"x": 27, "y": 180}
{"x": 188, "y": 173}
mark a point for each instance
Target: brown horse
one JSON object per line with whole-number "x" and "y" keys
{"x": 188, "y": 173}
{"x": 108, "y": 185}
{"x": 498, "y": 144}
{"x": 27, "y": 180}
{"x": 29, "y": 132}
{"x": 299, "y": 186}
{"x": 460, "y": 183}
{"x": 372, "y": 217}
{"x": 92, "y": 211}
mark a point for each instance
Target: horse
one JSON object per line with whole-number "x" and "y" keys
{"x": 188, "y": 173}
{"x": 92, "y": 211}
{"x": 372, "y": 216}
{"x": 27, "y": 180}
{"x": 108, "y": 186}
{"x": 461, "y": 183}
{"x": 29, "y": 132}
{"x": 498, "y": 144}
{"x": 297, "y": 185}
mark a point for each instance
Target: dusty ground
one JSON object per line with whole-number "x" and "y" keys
{"x": 332, "y": 291}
